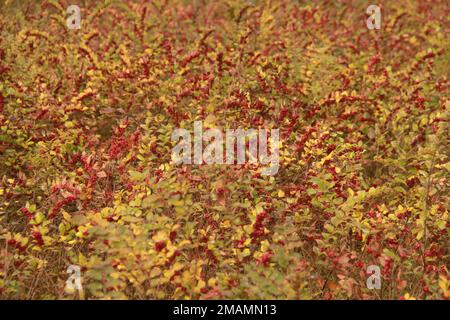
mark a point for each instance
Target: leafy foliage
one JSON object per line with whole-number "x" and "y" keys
{"x": 86, "y": 118}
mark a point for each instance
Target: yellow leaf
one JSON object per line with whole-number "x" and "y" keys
{"x": 212, "y": 282}
{"x": 155, "y": 272}
{"x": 200, "y": 285}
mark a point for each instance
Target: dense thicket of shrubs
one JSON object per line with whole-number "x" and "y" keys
{"x": 86, "y": 118}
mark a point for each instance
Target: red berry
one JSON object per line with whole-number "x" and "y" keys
{"x": 160, "y": 245}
